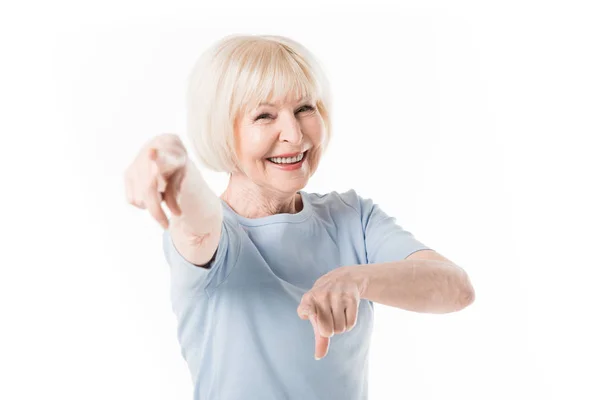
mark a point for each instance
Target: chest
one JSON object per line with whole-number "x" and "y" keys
{"x": 300, "y": 255}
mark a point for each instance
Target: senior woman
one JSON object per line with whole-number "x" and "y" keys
{"x": 267, "y": 279}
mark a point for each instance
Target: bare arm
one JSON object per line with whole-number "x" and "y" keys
{"x": 162, "y": 172}
{"x": 197, "y": 230}
{"x": 419, "y": 285}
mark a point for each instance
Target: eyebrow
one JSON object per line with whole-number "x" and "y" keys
{"x": 299, "y": 101}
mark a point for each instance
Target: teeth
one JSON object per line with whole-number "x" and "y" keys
{"x": 287, "y": 160}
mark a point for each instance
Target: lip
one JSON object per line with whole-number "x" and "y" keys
{"x": 288, "y": 155}
{"x": 290, "y": 167}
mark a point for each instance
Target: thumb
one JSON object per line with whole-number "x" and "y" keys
{"x": 153, "y": 153}
{"x": 165, "y": 160}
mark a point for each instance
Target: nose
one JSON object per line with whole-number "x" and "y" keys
{"x": 291, "y": 131}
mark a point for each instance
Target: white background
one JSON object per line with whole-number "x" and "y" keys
{"x": 474, "y": 123}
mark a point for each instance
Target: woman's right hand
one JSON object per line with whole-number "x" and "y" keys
{"x": 156, "y": 175}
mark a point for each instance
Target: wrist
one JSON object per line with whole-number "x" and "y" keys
{"x": 358, "y": 274}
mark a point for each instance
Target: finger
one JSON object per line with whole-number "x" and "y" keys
{"x": 157, "y": 212}
{"x": 137, "y": 191}
{"x": 138, "y": 203}
{"x": 306, "y": 306}
{"x": 338, "y": 315}
{"x": 351, "y": 313}
{"x": 152, "y": 201}
{"x": 171, "y": 201}
{"x": 161, "y": 183}
{"x": 171, "y": 192}
{"x": 308, "y": 310}
{"x": 128, "y": 191}
{"x": 310, "y": 305}
{"x": 325, "y": 319}
{"x": 166, "y": 161}
{"x": 153, "y": 153}
{"x": 321, "y": 342}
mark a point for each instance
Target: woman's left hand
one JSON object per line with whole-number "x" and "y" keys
{"x": 332, "y": 305}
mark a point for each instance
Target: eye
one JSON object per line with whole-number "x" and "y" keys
{"x": 307, "y": 107}
{"x": 262, "y": 116}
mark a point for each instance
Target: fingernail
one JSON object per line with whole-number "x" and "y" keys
{"x": 317, "y": 358}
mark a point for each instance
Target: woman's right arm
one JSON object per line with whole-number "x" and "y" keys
{"x": 197, "y": 230}
{"x": 161, "y": 172}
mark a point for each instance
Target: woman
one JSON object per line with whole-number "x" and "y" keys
{"x": 249, "y": 269}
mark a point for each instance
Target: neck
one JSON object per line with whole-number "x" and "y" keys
{"x": 252, "y": 201}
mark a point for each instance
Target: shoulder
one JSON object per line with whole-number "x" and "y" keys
{"x": 348, "y": 201}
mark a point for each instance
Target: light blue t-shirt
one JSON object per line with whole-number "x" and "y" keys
{"x": 237, "y": 323}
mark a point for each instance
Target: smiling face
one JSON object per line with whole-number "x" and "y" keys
{"x": 279, "y": 144}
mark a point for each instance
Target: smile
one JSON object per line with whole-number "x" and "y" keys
{"x": 288, "y": 160}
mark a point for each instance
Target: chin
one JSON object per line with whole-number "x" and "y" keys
{"x": 291, "y": 186}
{"x": 288, "y": 185}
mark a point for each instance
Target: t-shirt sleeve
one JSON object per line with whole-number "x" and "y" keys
{"x": 188, "y": 279}
{"x": 385, "y": 240}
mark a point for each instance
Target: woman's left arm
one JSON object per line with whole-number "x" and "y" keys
{"x": 424, "y": 282}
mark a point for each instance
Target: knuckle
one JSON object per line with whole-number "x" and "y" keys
{"x": 324, "y": 324}
{"x": 306, "y": 298}
{"x": 347, "y": 297}
{"x": 320, "y": 295}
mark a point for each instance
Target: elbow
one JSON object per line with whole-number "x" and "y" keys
{"x": 462, "y": 297}
{"x": 466, "y": 295}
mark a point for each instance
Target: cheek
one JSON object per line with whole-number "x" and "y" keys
{"x": 315, "y": 157}
{"x": 315, "y": 129}
{"x": 255, "y": 145}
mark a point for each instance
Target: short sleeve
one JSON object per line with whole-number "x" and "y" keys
{"x": 190, "y": 280}
{"x": 385, "y": 240}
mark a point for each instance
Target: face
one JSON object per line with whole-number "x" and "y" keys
{"x": 279, "y": 144}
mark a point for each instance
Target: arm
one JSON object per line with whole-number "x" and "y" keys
{"x": 196, "y": 231}
{"x": 421, "y": 283}
{"x": 403, "y": 272}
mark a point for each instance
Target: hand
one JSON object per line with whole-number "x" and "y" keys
{"x": 155, "y": 175}
{"x": 332, "y": 306}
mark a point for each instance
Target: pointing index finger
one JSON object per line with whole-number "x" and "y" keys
{"x": 321, "y": 342}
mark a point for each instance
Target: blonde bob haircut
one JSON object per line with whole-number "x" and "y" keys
{"x": 236, "y": 74}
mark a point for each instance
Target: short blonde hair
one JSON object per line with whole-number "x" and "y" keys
{"x": 239, "y": 72}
